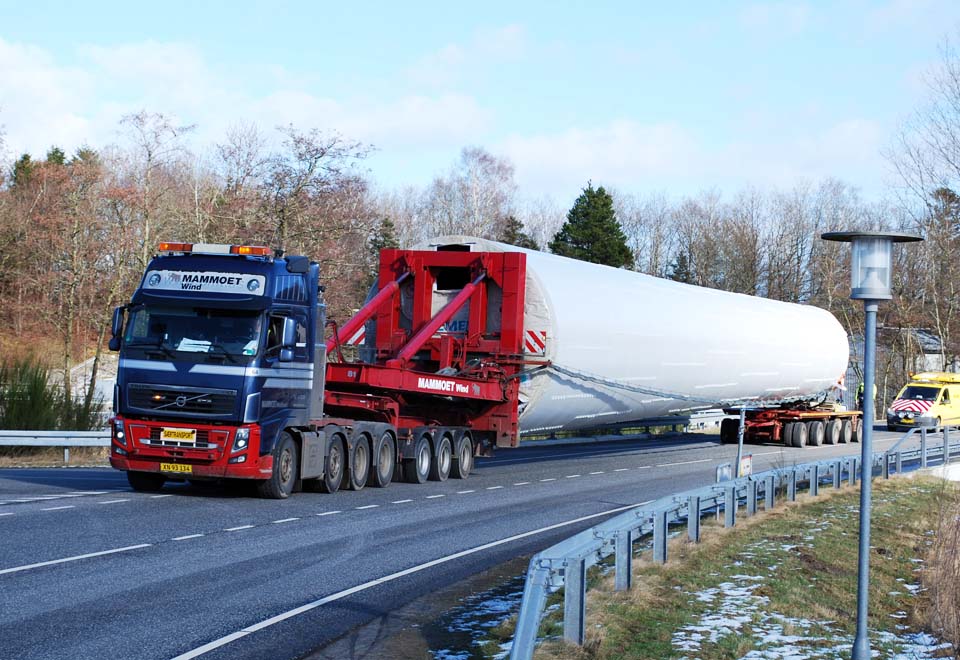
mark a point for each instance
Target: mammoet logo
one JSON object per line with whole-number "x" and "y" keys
{"x": 441, "y": 385}
{"x": 208, "y": 282}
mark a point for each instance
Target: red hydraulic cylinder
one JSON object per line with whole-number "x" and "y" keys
{"x": 366, "y": 312}
{"x": 445, "y": 314}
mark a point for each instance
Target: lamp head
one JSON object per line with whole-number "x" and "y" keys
{"x": 870, "y": 262}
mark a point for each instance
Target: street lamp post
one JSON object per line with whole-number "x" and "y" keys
{"x": 870, "y": 267}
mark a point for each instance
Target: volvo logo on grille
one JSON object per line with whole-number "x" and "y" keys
{"x": 181, "y": 401}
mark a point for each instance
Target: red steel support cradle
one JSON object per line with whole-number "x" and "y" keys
{"x": 365, "y": 312}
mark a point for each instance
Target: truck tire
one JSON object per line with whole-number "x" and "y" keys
{"x": 857, "y": 430}
{"x": 729, "y": 429}
{"x": 146, "y": 482}
{"x": 832, "y": 434}
{"x": 442, "y": 459}
{"x": 384, "y": 460}
{"x": 786, "y": 434}
{"x": 417, "y": 469}
{"x": 462, "y": 457}
{"x": 284, "y": 477}
{"x": 360, "y": 462}
{"x": 815, "y": 433}
{"x": 846, "y": 432}
{"x": 334, "y": 465}
{"x": 799, "y": 435}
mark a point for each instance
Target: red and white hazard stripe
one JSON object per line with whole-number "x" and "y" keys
{"x": 911, "y": 405}
{"x": 535, "y": 341}
{"x": 357, "y": 337}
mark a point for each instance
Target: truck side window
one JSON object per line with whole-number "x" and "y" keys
{"x": 274, "y": 335}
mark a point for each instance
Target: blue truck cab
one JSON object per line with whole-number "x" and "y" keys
{"x": 221, "y": 355}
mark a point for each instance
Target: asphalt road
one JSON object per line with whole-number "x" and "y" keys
{"x": 90, "y": 569}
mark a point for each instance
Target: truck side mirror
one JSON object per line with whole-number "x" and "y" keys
{"x": 289, "y": 339}
{"x": 116, "y": 329}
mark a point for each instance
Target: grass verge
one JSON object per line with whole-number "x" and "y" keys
{"x": 782, "y": 584}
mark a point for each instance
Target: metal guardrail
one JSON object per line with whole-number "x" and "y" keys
{"x": 65, "y": 439}
{"x": 565, "y": 564}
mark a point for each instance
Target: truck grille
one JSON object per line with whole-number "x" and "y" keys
{"x": 203, "y": 440}
{"x": 193, "y": 400}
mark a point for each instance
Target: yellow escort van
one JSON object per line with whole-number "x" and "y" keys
{"x": 931, "y": 398}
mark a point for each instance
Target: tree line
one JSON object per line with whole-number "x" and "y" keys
{"x": 78, "y": 230}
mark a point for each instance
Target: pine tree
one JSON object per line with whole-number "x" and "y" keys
{"x": 384, "y": 237}
{"x": 592, "y": 232}
{"x": 23, "y": 170}
{"x": 56, "y": 156}
{"x": 513, "y": 234}
{"x": 680, "y": 269}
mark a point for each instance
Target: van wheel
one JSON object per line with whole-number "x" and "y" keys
{"x": 284, "y": 477}
{"x": 384, "y": 460}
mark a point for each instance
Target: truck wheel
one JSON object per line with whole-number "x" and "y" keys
{"x": 146, "y": 482}
{"x": 440, "y": 469}
{"x": 846, "y": 432}
{"x": 417, "y": 469}
{"x": 360, "y": 463}
{"x": 729, "y": 429}
{"x": 800, "y": 435}
{"x": 815, "y": 433}
{"x": 463, "y": 457}
{"x": 786, "y": 434}
{"x": 333, "y": 465}
{"x": 832, "y": 434}
{"x": 384, "y": 460}
{"x": 284, "y": 476}
{"x": 857, "y": 431}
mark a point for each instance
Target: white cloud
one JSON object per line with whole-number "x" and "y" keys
{"x": 451, "y": 64}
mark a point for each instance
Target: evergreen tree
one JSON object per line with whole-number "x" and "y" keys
{"x": 513, "y": 234}
{"x": 23, "y": 170}
{"x": 384, "y": 237}
{"x": 592, "y": 232}
{"x": 56, "y": 156}
{"x": 680, "y": 269}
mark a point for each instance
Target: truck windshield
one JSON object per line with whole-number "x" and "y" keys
{"x": 194, "y": 330}
{"x": 919, "y": 393}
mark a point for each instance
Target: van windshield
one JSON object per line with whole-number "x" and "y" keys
{"x": 919, "y": 393}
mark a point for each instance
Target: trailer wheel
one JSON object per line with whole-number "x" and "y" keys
{"x": 846, "y": 432}
{"x": 442, "y": 458}
{"x": 799, "y": 435}
{"x": 360, "y": 462}
{"x": 786, "y": 434}
{"x": 284, "y": 477}
{"x": 832, "y": 434}
{"x": 463, "y": 457}
{"x": 815, "y": 433}
{"x": 857, "y": 431}
{"x": 417, "y": 469}
{"x": 729, "y": 430}
{"x": 384, "y": 460}
{"x": 146, "y": 482}
{"x": 333, "y": 465}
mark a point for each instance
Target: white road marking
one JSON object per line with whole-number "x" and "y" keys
{"x": 157, "y": 497}
{"x": 266, "y": 623}
{"x": 572, "y": 476}
{"x": 621, "y": 469}
{"x": 188, "y": 536}
{"x": 284, "y": 520}
{"x": 521, "y": 483}
{"x": 643, "y": 467}
{"x": 237, "y": 529}
{"x": 464, "y": 492}
{"x": 549, "y": 479}
{"x": 368, "y": 506}
{"x": 400, "y": 501}
{"x": 597, "y": 472}
{"x": 6, "y": 514}
{"x": 328, "y": 513}
{"x": 494, "y": 487}
{"x": 89, "y": 492}
{"x": 702, "y": 460}
{"x": 433, "y": 497}
{"x": 112, "y": 501}
{"x": 57, "y": 508}
{"x": 27, "y": 567}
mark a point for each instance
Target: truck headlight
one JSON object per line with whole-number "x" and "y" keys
{"x": 118, "y": 429}
{"x": 241, "y": 439}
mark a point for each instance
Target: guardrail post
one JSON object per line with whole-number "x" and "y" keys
{"x": 660, "y": 536}
{"x": 946, "y": 445}
{"x": 886, "y": 466}
{"x": 66, "y": 454}
{"x": 623, "y": 561}
{"x": 693, "y": 518}
{"x": 923, "y": 448}
{"x": 769, "y": 493}
{"x": 815, "y": 479}
{"x": 899, "y": 462}
{"x": 837, "y": 474}
{"x": 853, "y": 470}
{"x": 751, "y": 497}
{"x": 792, "y": 486}
{"x": 730, "y": 506}
{"x": 575, "y": 601}
{"x": 531, "y": 609}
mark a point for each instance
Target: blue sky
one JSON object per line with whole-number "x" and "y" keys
{"x": 641, "y": 96}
